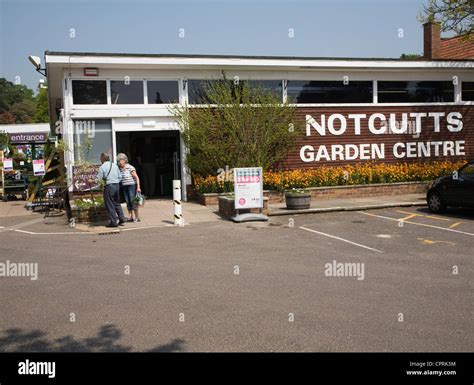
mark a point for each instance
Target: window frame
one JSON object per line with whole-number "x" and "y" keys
{"x": 282, "y": 81}
{"x": 178, "y": 80}
{"x": 183, "y": 93}
{"x": 92, "y": 80}
{"x": 373, "y": 85}
{"x": 110, "y": 80}
{"x": 461, "y": 91}
{"x": 413, "y": 103}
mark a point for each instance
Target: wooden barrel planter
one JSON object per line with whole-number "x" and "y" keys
{"x": 298, "y": 201}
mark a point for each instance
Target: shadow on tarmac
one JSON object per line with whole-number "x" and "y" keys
{"x": 106, "y": 340}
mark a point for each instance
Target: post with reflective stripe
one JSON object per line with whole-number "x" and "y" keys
{"x": 178, "y": 214}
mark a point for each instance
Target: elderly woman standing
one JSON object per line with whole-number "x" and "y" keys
{"x": 130, "y": 185}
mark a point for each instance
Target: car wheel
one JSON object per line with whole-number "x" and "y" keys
{"x": 436, "y": 203}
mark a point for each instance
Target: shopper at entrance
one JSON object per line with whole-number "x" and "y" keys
{"x": 130, "y": 186}
{"x": 111, "y": 175}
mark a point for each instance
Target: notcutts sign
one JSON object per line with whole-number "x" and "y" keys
{"x": 385, "y": 136}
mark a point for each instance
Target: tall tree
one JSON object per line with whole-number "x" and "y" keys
{"x": 19, "y": 105}
{"x": 42, "y": 111}
{"x": 452, "y": 15}
{"x": 13, "y": 93}
{"x": 7, "y": 118}
{"x": 23, "y": 111}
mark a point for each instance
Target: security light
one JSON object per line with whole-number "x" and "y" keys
{"x": 36, "y": 61}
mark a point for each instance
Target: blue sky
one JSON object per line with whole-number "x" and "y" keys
{"x": 335, "y": 28}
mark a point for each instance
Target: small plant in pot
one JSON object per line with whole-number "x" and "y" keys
{"x": 297, "y": 199}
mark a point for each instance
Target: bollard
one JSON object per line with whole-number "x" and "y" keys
{"x": 178, "y": 215}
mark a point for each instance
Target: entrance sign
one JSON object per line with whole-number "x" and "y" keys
{"x": 82, "y": 177}
{"x": 38, "y": 167}
{"x": 7, "y": 164}
{"x": 248, "y": 187}
{"x": 28, "y": 137}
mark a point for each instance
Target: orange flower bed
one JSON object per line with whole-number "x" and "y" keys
{"x": 362, "y": 173}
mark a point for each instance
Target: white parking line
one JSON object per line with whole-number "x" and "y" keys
{"x": 340, "y": 239}
{"x": 414, "y": 223}
{"x": 57, "y": 233}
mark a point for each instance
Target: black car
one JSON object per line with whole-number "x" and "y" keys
{"x": 456, "y": 190}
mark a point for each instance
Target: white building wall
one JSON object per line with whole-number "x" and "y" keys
{"x": 155, "y": 117}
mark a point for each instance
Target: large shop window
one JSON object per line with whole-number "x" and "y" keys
{"x": 274, "y": 86}
{"x": 162, "y": 91}
{"x": 197, "y": 88}
{"x": 126, "y": 92}
{"x": 467, "y": 92}
{"x": 415, "y": 92}
{"x": 91, "y": 138}
{"x": 89, "y": 92}
{"x": 323, "y": 91}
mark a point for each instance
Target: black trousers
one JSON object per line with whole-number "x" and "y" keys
{"x": 112, "y": 202}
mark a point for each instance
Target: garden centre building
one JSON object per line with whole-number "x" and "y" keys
{"x": 385, "y": 110}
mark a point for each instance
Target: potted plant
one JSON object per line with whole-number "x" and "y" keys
{"x": 297, "y": 199}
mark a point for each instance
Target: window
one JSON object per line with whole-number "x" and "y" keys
{"x": 197, "y": 88}
{"x": 270, "y": 85}
{"x": 89, "y": 92}
{"x": 162, "y": 91}
{"x": 467, "y": 92}
{"x": 197, "y": 91}
{"x": 91, "y": 138}
{"x": 415, "y": 92}
{"x": 329, "y": 91}
{"x": 130, "y": 92}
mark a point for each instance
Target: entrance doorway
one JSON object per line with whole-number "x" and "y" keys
{"x": 156, "y": 156}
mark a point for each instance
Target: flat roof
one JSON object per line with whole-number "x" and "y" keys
{"x": 206, "y": 56}
{"x": 24, "y": 128}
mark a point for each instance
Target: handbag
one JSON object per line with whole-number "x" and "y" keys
{"x": 139, "y": 200}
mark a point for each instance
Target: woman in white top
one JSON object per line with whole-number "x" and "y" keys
{"x": 130, "y": 186}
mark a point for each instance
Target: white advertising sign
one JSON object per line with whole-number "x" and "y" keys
{"x": 38, "y": 167}
{"x": 248, "y": 187}
{"x": 7, "y": 164}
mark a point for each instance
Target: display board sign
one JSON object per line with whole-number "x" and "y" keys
{"x": 82, "y": 175}
{"x": 7, "y": 164}
{"x": 248, "y": 187}
{"x": 38, "y": 167}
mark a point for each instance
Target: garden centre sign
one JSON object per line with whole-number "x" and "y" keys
{"x": 248, "y": 187}
{"x": 401, "y": 135}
